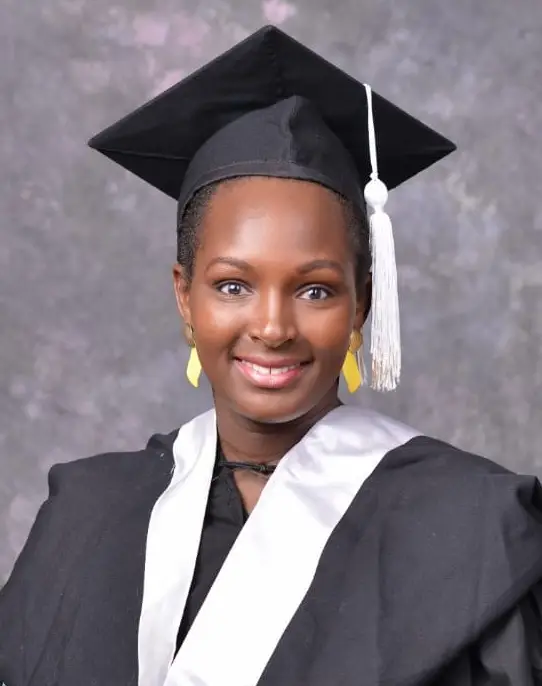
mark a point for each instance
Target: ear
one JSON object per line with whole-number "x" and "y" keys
{"x": 363, "y": 302}
{"x": 181, "y": 286}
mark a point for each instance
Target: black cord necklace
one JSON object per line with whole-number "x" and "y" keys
{"x": 258, "y": 467}
{"x": 265, "y": 469}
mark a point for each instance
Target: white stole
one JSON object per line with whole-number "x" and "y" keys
{"x": 273, "y": 561}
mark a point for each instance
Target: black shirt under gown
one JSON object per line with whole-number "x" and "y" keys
{"x": 224, "y": 519}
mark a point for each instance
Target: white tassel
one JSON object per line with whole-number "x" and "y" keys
{"x": 385, "y": 329}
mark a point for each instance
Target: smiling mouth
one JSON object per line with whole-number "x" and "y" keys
{"x": 270, "y": 370}
{"x": 270, "y": 377}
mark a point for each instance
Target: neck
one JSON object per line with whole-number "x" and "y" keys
{"x": 246, "y": 440}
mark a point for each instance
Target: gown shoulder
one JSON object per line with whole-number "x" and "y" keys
{"x": 473, "y": 531}
{"x": 434, "y": 456}
{"x": 82, "y": 496}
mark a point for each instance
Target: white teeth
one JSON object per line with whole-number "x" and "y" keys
{"x": 271, "y": 370}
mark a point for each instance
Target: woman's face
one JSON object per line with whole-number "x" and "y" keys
{"x": 273, "y": 298}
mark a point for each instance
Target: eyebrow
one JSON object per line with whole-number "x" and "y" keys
{"x": 321, "y": 264}
{"x": 304, "y": 269}
{"x": 231, "y": 261}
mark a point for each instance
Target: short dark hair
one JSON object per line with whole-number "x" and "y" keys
{"x": 190, "y": 222}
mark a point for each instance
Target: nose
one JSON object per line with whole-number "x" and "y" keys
{"x": 273, "y": 322}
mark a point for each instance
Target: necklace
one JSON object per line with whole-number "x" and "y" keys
{"x": 258, "y": 467}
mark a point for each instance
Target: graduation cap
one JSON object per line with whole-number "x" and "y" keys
{"x": 269, "y": 106}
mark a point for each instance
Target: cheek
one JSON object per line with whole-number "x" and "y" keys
{"x": 327, "y": 330}
{"x": 216, "y": 324}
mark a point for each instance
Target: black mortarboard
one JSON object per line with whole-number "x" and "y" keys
{"x": 270, "y": 106}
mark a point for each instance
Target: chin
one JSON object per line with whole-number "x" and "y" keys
{"x": 271, "y": 410}
{"x": 277, "y": 410}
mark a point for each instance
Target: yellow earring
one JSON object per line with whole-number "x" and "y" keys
{"x": 193, "y": 368}
{"x": 351, "y": 369}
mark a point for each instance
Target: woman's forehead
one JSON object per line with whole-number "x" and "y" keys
{"x": 260, "y": 213}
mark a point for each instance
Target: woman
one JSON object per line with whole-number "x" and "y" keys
{"x": 280, "y": 538}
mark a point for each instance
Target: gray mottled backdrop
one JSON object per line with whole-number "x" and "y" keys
{"x": 91, "y": 356}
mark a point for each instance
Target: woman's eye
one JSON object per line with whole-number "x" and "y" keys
{"x": 232, "y": 288}
{"x": 316, "y": 293}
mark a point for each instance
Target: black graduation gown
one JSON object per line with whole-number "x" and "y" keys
{"x": 433, "y": 576}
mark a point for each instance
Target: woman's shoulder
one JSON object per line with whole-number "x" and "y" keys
{"x": 433, "y": 456}
{"x": 409, "y": 451}
{"x": 105, "y": 475}
{"x": 461, "y": 495}
{"x": 86, "y": 496}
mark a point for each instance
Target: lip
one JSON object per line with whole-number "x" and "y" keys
{"x": 253, "y": 371}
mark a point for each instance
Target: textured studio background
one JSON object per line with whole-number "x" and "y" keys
{"x": 91, "y": 356}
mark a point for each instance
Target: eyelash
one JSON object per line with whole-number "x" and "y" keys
{"x": 223, "y": 284}
{"x": 313, "y": 287}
